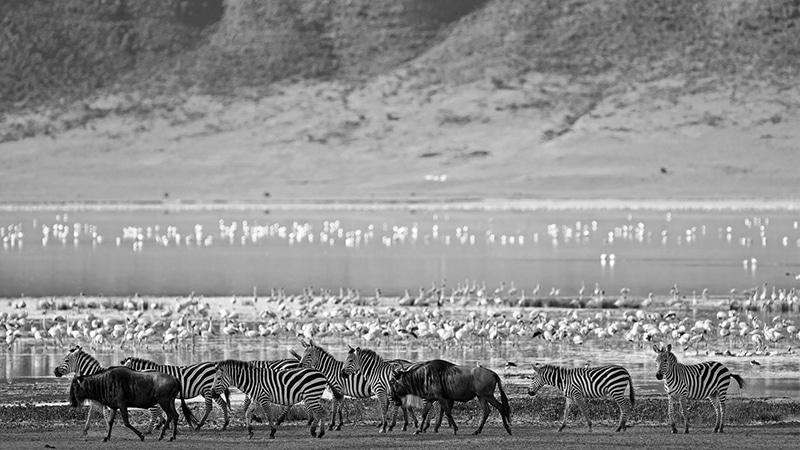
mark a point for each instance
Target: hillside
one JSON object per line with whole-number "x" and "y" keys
{"x": 139, "y": 99}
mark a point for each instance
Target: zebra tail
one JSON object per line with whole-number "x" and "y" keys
{"x": 740, "y": 380}
{"x": 337, "y": 394}
{"x": 187, "y": 413}
{"x": 504, "y": 399}
{"x": 633, "y": 397}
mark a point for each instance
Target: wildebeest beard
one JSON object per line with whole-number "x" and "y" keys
{"x": 73, "y": 394}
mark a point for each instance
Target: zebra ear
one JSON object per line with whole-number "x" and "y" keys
{"x": 656, "y": 349}
{"x": 303, "y": 341}
{"x": 351, "y": 347}
{"x": 311, "y": 343}
{"x": 669, "y": 347}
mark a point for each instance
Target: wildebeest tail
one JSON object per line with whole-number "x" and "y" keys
{"x": 740, "y": 380}
{"x": 187, "y": 413}
{"x": 506, "y": 411}
{"x": 633, "y": 397}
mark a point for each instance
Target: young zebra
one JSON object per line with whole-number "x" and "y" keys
{"x": 377, "y": 372}
{"x": 266, "y": 386}
{"x": 81, "y": 363}
{"x": 196, "y": 380}
{"x": 580, "y": 384}
{"x": 708, "y": 379}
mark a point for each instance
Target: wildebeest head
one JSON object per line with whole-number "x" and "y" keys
{"x": 397, "y": 389}
{"x": 537, "y": 382}
{"x": 664, "y": 358}
{"x": 76, "y": 391}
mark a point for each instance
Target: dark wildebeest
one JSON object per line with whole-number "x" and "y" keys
{"x": 445, "y": 382}
{"x": 122, "y": 388}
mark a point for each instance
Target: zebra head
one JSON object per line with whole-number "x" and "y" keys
{"x": 664, "y": 359}
{"x": 310, "y": 358}
{"x": 352, "y": 364}
{"x": 537, "y": 382}
{"x": 222, "y": 379}
{"x": 70, "y": 363}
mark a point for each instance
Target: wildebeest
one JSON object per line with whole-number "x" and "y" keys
{"x": 447, "y": 382}
{"x": 122, "y": 388}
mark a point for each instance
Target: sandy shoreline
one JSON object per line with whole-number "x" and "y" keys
{"x": 432, "y": 204}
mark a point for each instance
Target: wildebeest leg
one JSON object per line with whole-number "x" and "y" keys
{"x": 425, "y": 410}
{"x": 168, "y": 406}
{"x": 447, "y": 406}
{"x": 506, "y": 422}
{"x": 485, "y": 406}
{"x": 566, "y": 414}
{"x": 124, "y": 413}
{"x": 111, "y": 417}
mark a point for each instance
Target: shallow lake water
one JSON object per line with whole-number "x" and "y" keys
{"x": 224, "y": 253}
{"x": 554, "y": 253}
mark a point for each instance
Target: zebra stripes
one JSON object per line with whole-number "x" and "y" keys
{"x": 315, "y": 357}
{"x": 266, "y": 386}
{"x": 196, "y": 380}
{"x": 377, "y": 372}
{"x": 708, "y": 379}
{"x": 81, "y": 363}
{"x": 580, "y": 384}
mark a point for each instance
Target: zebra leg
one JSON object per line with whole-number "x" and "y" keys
{"x": 383, "y": 402}
{"x": 394, "y": 417}
{"x": 208, "y": 411}
{"x": 716, "y": 404}
{"x": 111, "y": 417}
{"x": 284, "y": 414}
{"x": 584, "y": 410}
{"x": 248, "y": 418}
{"x": 566, "y": 414}
{"x": 334, "y": 406}
{"x": 682, "y": 402}
{"x": 318, "y": 417}
{"x": 721, "y": 414}
{"x": 624, "y": 409}
{"x": 224, "y": 405}
{"x": 670, "y": 411}
{"x": 124, "y": 412}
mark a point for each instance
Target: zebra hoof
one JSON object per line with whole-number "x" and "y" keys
{"x": 105, "y": 439}
{"x": 476, "y": 432}
{"x": 172, "y": 438}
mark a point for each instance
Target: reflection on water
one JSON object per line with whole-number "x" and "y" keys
{"x": 776, "y": 376}
{"x": 223, "y": 253}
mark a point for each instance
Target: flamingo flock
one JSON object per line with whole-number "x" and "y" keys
{"x": 468, "y": 314}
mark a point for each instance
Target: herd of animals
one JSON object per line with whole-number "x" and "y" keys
{"x": 140, "y": 383}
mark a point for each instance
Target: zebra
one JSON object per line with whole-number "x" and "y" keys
{"x": 708, "y": 379}
{"x": 377, "y": 372}
{"x": 81, "y": 363}
{"x": 196, "y": 380}
{"x": 276, "y": 364}
{"x": 265, "y": 386}
{"x": 580, "y": 384}
{"x": 315, "y": 357}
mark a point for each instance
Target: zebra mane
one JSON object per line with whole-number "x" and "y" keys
{"x": 235, "y": 363}
{"x": 134, "y": 360}
{"x": 323, "y": 351}
{"x": 366, "y": 353}
{"x": 78, "y": 353}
